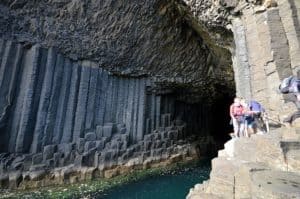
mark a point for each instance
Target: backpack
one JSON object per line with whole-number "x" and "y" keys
{"x": 286, "y": 84}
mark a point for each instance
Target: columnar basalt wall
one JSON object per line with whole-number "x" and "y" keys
{"x": 105, "y": 84}
{"x": 45, "y": 94}
{"x": 133, "y": 38}
{"x": 57, "y": 113}
{"x": 267, "y": 51}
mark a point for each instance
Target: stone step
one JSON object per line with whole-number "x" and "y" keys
{"x": 198, "y": 192}
{"x": 291, "y": 133}
{"x": 242, "y": 178}
{"x": 221, "y": 180}
{"x": 275, "y": 184}
{"x": 293, "y": 161}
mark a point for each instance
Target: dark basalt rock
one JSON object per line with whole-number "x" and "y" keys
{"x": 62, "y": 113}
{"x": 137, "y": 38}
{"x": 91, "y": 85}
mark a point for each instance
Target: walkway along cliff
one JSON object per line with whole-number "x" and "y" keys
{"x": 266, "y": 37}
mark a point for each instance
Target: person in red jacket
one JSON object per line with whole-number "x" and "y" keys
{"x": 237, "y": 114}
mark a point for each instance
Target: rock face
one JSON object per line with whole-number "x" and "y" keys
{"x": 95, "y": 88}
{"x": 263, "y": 166}
{"x": 58, "y": 114}
{"x": 132, "y": 38}
{"x": 266, "y": 50}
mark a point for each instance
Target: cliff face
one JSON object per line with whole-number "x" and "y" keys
{"x": 58, "y": 113}
{"x": 104, "y": 85}
{"x": 100, "y": 83}
{"x": 263, "y": 166}
{"x": 265, "y": 45}
{"x": 132, "y": 38}
{"x": 266, "y": 50}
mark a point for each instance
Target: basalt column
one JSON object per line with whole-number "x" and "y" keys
{"x": 266, "y": 51}
{"x": 57, "y": 113}
{"x": 48, "y": 99}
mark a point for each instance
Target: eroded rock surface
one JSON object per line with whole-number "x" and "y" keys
{"x": 61, "y": 118}
{"x": 266, "y": 50}
{"x": 133, "y": 38}
{"x": 259, "y": 167}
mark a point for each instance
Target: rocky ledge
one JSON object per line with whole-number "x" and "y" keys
{"x": 263, "y": 166}
{"x": 91, "y": 158}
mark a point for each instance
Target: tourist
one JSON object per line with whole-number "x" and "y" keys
{"x": 291, "y": 87}
{"x": 249, "y": 119}
{"x": 259, "y": 115}
{"x": 237, "y": 117}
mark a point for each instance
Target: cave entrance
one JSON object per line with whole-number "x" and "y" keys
{"x": 220, "y": 127}
{"x": 207, "y": 118}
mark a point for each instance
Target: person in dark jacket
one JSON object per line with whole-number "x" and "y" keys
{"x": 292, "y": 91}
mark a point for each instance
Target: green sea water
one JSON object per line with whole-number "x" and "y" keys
{"x": 173, "y": 184}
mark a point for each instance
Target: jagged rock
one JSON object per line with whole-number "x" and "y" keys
{"x": 99, "y": 132}
{"x": 89, "y": 145}
{"x": 56, "y": 102}
{"x": 99, "y": 145}
{"x": 149, "y": 137}
{"x": 49, "y": 151}
{"x": 108, "y": 130}
{"x": 111, "y": 173}
{"x": 88, "y": 158}
{"x": 91, "y": 136}
{"x": 121, "y": 128}
{"x": 256, "y": 167}
{"x": 147, "y": 145}
{"x": 37, "y": 175}
{"x": 145, "y": 57}
{"x": 37, "y": 158}
{"x": 18, "y": 162}
{"x": 115, "y": 144}
{"x": 78, "y": 160}
{"x": 38, "y": 167}
{"x": 80, "y": 143}
{"x": 4, "y": 180}
{"x": 166, "y": 120}
{"x": 15, "y": 178}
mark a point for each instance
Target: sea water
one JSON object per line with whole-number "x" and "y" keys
{"x": 173, "y": 184}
